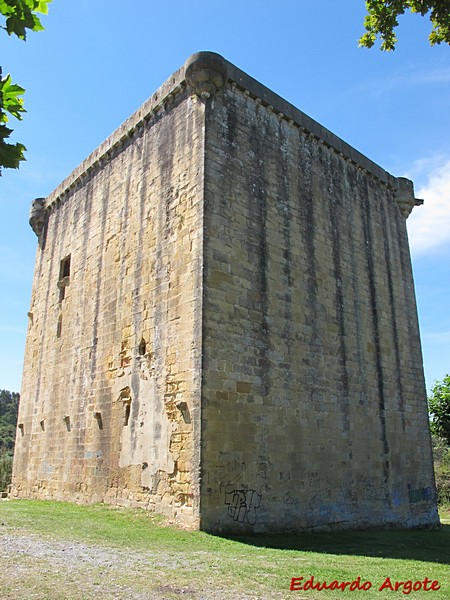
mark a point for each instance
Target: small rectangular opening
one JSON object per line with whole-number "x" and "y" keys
{"x": 66, "y": 420}
{"x": 64, "y": 268}
{"x": 126, "y": 412}
{"x": 64, "y": 277}
{"x": 142, "y": 347}
{"x": 98, "y": 418}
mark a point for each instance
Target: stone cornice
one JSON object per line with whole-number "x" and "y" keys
{"x": 285, "y": 110}
{"x": 206, "y": 73}
{"x": 121, "y": 136}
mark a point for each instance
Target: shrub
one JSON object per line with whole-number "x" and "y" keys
{"x": 6, "y": 461}
{"x": 441, "y": 453}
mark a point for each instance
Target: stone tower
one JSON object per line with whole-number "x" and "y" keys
{"x": 223, "y": 325}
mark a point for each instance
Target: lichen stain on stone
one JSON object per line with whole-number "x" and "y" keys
{"x": 237, "y": 346}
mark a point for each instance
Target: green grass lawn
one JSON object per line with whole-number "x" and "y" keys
{"x": 263, "y": 565}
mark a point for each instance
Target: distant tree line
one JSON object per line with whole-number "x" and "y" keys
{"x": 9, "y": 407}
{"x": 439, "y": 409}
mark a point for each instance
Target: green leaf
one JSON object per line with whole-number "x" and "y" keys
{"x": 5, "y": 131}
{"x": 11, "y": 155}
{"x": 42, "y": 6}
{"x": 439, "y": 409}
{"x": 20, "y": 16}
{"x": 10, "y": 100}
{"x": 14, "y": 25}
{"x": 382, "y": 19}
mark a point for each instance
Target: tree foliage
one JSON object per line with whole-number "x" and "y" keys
{"x": 18, "y": 15}
{"x": 9, "y": 406}
{"x": 382, "y": 19}
{"x": 6, "y": 462}
{"x": 439, "y": 408}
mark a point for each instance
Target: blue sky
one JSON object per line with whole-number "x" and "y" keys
{"x": 98, "y": 60}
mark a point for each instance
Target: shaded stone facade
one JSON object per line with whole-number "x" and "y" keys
{"x": 223, "y": 325}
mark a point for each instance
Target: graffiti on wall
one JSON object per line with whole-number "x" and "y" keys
{"x": 242, "y": 505}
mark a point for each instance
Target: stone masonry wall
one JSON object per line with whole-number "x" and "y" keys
{"x": 314, "y": 408}
{"x": 111, "y": 387}
{"x": 223, "y": 325}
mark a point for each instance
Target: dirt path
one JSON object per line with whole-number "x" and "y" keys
{"x": 35, "y": 568}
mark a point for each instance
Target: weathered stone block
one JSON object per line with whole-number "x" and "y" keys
{"x": 223, "y": 325}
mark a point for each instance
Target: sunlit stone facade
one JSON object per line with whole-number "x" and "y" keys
{"x": 223, "y": 325}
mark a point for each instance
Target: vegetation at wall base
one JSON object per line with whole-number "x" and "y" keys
{"x": 439, "y": 409}
{"x": 441, "y": 454}
{"x": 6, "y": 462}
{"x": 9, "y": 406}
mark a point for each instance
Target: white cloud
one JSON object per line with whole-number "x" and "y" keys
{"x": 414, "y": 76}
{"x": 429, "y": 225}
{"x": 426, "y": 77}
{"x": 12, "y": 329}
{"x": 439, "y": 337}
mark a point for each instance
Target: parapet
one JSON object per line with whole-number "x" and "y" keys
{"x": 206, "y": 74}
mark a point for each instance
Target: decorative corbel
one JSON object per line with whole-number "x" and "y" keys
{"x": 405, "y": 196}
{"x": 38, "y": 215}
{"x": 205, "y": 73}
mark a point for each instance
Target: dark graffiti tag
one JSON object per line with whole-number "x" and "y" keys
{"x": 242, "y": 505}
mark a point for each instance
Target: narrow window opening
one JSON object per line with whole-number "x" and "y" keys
{"x": 64, "y": 277}
{"x": 98, "y": 418}
{"x": 125, "y": 398}
{"x": 66, "y": 420}
{"x": 126, "y": 412}
{"x": 184, "y": 409}
{"x": 65, "y": 268}
{"x": 21, "y": 428}
{"x": 42, "y": 424}
{"x": 142, "y": 347}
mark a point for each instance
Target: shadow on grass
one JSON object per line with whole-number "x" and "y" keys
{"x": 428, "y": 545}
